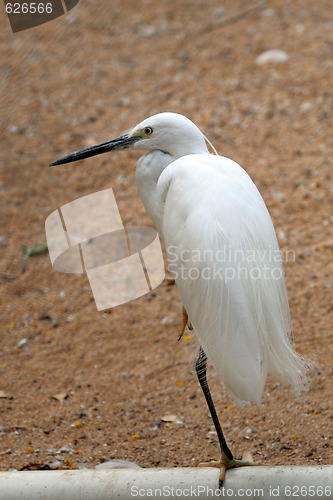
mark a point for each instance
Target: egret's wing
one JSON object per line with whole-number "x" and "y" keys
{"x": 223, "y": 251}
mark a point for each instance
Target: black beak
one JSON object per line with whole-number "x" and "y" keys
{"x": 122, "y": 142}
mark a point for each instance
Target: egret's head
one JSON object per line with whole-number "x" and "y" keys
{"x": 169, "y": 132}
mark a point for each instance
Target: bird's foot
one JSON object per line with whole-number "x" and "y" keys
{"x": 226, "y": 463}
{"x": 185, "y": 322}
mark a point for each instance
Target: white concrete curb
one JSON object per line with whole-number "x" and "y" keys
{"x": 271, "y": 482}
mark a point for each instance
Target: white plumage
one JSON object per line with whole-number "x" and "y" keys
{"x": 224, "y": 255}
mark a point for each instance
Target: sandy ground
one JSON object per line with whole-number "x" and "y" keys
{"x": 86, "y": 386}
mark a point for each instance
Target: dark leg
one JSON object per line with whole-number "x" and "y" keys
{"x": 201, "y": 369}
{"x": 227, "y": 459}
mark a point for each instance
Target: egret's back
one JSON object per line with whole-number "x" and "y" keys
{"x": 224, "y": 253}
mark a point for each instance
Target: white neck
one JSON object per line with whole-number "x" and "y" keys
{"x": 148, "y": 170}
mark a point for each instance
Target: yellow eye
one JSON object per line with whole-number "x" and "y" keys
{"x": 148, "y": 130}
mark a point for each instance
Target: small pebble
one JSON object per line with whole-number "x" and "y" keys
{"x": 219, "y": 12}
{"x": 23, "y": 343}
{"x": 299, "y": 28}
{"x": 272, "y": 56}
{"x": 306, "y": 106}
{"x": 14, "y": 129}
{"x": 149, "y": 31}
{"x": 166, "y": 320}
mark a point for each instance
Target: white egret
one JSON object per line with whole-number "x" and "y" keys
{"x": 224, "y": 254}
